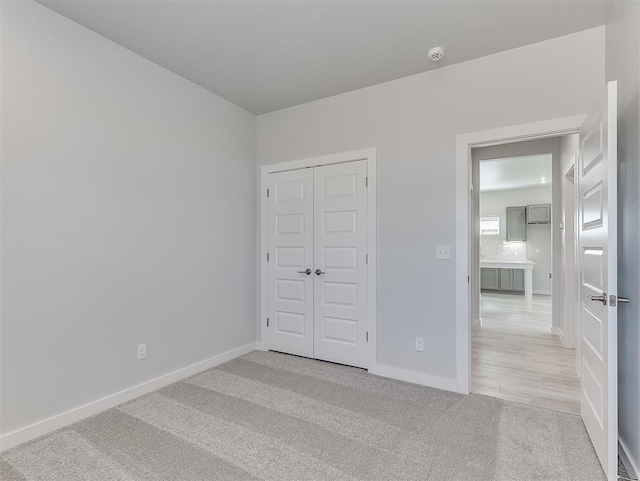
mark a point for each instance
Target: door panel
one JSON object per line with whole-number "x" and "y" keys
{"x": 597, "y": 261}
{"x": 340, "y": 243}
{"x": 290, "y": 234}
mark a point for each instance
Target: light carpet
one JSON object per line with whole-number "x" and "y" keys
{"x": 275, "y": 417}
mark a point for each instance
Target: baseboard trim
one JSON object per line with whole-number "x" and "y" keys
{"x": 630, "y": 465}
{"x": 445, "y": 384}
{"x": 562, "y": 340}
{"x": 476, "y": 322}
{"x": 27, "y": 433}
{"x": 542, "y": 293}
{"x": 558, "y": 332}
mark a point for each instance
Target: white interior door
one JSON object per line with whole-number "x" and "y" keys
{"x": 340, "y": 263}
{"x": 597, "y": 232}
{"x": 290, "y": 240}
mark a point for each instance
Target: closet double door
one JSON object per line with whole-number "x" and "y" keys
{"x": 317, "y": 262}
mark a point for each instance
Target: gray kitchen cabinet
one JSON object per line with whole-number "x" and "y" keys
{"x": 489, "y": 278}
{"x": 518, "y": 280}
{"x": 506, "y": 279}
{"x": 501, "y": 280}
{"x": 539, "y": 214}
{"x": 516, "y": 223}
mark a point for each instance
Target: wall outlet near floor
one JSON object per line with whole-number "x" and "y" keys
{"x": 419, "y": 343}
{"x": 443, "y": 252}
{"x": 142, "y": 351}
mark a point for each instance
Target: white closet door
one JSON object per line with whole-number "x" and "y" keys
{"x": 340, "y": 268}
{"x": 290, "y": 255}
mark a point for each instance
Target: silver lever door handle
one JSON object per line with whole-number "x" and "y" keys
{"x": 623, "y": 300}
{"x": 307, "y": 272}
{"x": 319, "y": 272}
{"x": 601, "y": 298}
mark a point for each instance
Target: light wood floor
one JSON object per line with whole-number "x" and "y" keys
{"x": 515, "y": 357}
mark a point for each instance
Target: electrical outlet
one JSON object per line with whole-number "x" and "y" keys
{"x": 443, "y": 252}
{"x": 142, "y": 351}
{"x": 419, "y": 343}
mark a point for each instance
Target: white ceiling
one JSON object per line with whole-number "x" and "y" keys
{"x": 266, "y": 55}
{"x": 515, "y": 172}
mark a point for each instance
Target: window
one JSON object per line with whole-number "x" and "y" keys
{"x": 489, "y": 225}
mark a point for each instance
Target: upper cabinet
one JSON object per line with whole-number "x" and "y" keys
{"x": 539, "y": 214}
{"x": 516, "y": 224}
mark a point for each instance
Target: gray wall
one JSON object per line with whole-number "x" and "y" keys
{"x": 536, "y": 147}
{"x": 623, "y": 65}
{"x": 413, "y": 122}
{"x": 128, "y": 216}
{"x": 538, "y": 235}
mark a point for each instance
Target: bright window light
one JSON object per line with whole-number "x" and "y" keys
{"x": 489, "y": 225}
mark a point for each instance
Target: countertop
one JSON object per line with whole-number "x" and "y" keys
{"x": 507, "y": 263}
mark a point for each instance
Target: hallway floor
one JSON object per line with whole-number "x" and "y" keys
{"x": 514, "y": 357}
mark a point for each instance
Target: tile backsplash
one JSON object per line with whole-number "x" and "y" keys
{"x": 491, "y": 248}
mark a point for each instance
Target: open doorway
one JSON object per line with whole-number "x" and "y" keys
{"x": 596, "y": 300}
{"x": 515, "y": 243}
{"x": 518, "y": 351}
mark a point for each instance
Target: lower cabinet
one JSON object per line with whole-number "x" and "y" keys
{"x": 518, "y": 280}
{"x": 490, "y": 278}
{"x": 505, "y": 280}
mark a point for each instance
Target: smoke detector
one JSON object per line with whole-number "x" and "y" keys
{"x": 435, "y": 54}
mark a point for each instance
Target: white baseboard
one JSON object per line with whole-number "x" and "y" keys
{"x": 71, "y": 416}
{"x": 540, "y": 292}
{"x": 418, "y": 378}
{"x": 477, "y": 322}
{"x": 562, "y": 339}
{"x": 558, "y": 332}
{"x": 629, "y": 463}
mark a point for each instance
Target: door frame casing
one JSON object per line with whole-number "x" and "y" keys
{"x": 571, "y": 327}
{"x": 464, "y": 191}
{"x": 369, "y": 155}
